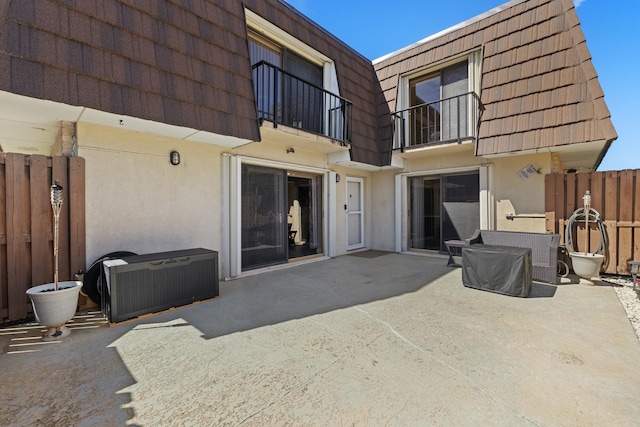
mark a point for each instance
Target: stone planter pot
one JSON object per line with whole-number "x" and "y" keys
{"x": 587, "y": 266}
{"x": 55, "y": 308}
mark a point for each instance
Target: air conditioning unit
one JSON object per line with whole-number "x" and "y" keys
{"x": 142, "y": 284}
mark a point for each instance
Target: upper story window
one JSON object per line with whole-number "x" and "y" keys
{"x": 439, "y": 105}
{"x": 294, "y": 84}
{"x": 448, "y": 82}
{"x": 263, "y": 49}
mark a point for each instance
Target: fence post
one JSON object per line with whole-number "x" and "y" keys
{"x": 40, "y": 178}
{"x": 26, "y": 258}
{"x": 16, "y": 236}
{"x": 77, "y": 220}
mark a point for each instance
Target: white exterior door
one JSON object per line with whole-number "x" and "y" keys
{"x": 355, "y": 214}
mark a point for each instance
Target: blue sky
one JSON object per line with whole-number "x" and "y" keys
{"x": 376, "y": 27}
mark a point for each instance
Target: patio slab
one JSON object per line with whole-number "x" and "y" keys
{"x": 385, "y": 339}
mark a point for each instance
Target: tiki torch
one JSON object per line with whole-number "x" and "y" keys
{"x": 56, "y": 205}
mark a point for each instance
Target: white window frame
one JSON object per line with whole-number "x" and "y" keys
{"x": 262, "y": 27}
{"x": 486, "y": 196}
{"x": 473, "y": 59}
{"x": 231, "y": 255}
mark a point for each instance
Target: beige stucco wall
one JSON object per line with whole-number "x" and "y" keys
{"x": 452, "y": 157}
{"x": 522, "y": 197}
{"x": 510, "y": 193}
{"x": 383, "y": 213}
{"x": 278, "y": 152}
{"x": 137, "y": 201}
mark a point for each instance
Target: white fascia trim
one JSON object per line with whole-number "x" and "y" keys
{"x": 397, "y": 162}
{"x": 343, "y": 158}
{"x": 260, "y": 25}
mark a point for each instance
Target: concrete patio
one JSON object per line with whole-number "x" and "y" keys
{"x": 366, "y": 339}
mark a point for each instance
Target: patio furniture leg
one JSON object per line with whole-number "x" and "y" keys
{"x": 454, "y": 259}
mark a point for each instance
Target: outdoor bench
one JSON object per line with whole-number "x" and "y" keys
{"x": 501, "y": 269}
{"x": 544, "y": 249}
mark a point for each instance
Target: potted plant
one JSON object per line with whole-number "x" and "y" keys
{"x": 54, "y": 304}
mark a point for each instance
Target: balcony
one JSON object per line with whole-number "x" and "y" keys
{"x": 283, "y": 99}
{"x": 450, "y": 120}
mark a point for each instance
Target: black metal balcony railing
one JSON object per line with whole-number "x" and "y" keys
{"x": 284, "y": 99}
{"x": 447, "y": 120}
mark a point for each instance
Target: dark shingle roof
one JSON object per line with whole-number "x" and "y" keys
{"x": 163, "y": 61}
{"x": 186, "y": 62}
{"x": 182, "y": 62}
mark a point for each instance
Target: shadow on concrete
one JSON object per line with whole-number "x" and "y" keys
{"x": 84, "y": 380}
{"x": 75, "y": 381}
{"x": 306, "y": 290}
{"x": 442, "y": 343}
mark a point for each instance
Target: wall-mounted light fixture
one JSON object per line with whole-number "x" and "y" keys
{"x": 337, "y": 177}
{"x": 527, "y": 171}
{"x": 290, "y": 150}
{"x": 174, "y": 158}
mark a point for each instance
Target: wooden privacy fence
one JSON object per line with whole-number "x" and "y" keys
{"x": 615, "y": 195}
{"x": 26, "y": 226}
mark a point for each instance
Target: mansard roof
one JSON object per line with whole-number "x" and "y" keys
{"x": 539, "y": 88}
{"x": 186, "y": 63}
{"x": 181, "y": 62}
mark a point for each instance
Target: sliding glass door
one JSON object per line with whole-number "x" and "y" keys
{"x": 425, "y": 213}
{"x": 444, "y": 207}
{"x": 304, "y": 194}
{"x": 281, "y": 215}
{"x": 264, "y": 216}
